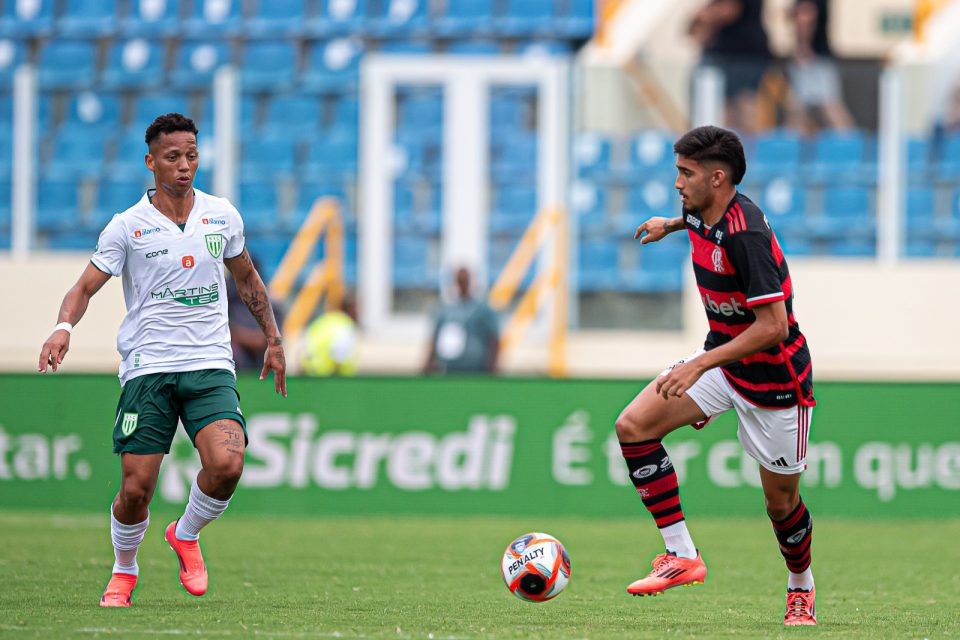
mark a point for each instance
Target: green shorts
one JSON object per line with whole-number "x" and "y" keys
{"x": 151, "y": 405}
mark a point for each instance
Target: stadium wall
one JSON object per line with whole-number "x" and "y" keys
{"x": 481, "y": 446}
{"x": 864, "y": 322}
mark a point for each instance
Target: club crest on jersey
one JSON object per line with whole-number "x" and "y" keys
{"x": 214, "y": 244}
{"x": 717, "y": 258}
{"x": 129, "y": 424}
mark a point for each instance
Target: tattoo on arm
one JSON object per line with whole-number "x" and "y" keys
{"x": 254, "y": 295}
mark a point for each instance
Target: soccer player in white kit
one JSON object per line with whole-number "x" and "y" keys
{"x": 170, "y": 249}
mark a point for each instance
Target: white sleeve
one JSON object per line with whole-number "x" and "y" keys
{"x": 111, "y": 252}
{"x": 236, "y": 241}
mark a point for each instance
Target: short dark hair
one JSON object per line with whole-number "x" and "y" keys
{"x": 713, "y": 144}
{"x": 169, "y": 123}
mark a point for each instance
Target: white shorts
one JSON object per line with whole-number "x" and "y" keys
{"x": 775, "y": 438}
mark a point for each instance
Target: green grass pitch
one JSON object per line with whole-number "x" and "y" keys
{"x": 438, "y": 577}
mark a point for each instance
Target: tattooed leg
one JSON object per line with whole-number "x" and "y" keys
{"x": 221, "y": 447}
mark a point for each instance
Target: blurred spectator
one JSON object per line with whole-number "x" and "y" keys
{"x": 734, "y": 40}
{"x": 246, "y": 338}
{"x": 330, "y": 342}
{"x": 466, "y": 335}
{"x": 817, "y": 98}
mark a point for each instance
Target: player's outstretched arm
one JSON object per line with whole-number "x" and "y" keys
{"x": 657, "y": 229}
{"x": 254, "y": 295}
{"x": 72, "y": 308}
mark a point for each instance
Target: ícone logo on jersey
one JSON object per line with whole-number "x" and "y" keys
{"x": 129, "y": 424}
{"x": 214, "y": 244}
{"x": 717, "y": 260}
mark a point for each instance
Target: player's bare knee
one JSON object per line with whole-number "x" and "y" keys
{"x": 135, "y": 495}
{"x": 226, "y": 471}
{"x": 780, "y": 506}
{"x": 632, "y": 427}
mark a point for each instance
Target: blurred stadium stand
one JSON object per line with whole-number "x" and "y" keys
{"x": 106, "y": 68}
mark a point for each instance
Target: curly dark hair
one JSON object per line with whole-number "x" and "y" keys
{"x": 169, "y": 123}
{"x": 713, "y": 144}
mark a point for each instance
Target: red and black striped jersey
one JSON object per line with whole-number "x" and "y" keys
{"x": 738, "y": 265}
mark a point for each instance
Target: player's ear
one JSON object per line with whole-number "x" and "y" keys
{"x": 148, "y": 160}
{"x": 717, "y": 176}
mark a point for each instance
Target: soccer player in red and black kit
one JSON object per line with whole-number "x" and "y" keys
{"x": 754, "y": 360}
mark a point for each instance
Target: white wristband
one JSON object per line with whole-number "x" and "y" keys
{"x": 66, "y": 326}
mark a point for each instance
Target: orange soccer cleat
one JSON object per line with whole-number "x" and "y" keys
{"x": 670, "y": 571}
{"x": 119, "y": 590}
{"x": 193, "y": 573}
{"x": 801, "y": 608}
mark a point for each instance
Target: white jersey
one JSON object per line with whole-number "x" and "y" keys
{"x": 173, "y": 285}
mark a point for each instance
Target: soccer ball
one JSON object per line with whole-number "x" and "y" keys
{"x": 535, "y": 567}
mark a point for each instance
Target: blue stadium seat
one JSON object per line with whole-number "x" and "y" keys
{"x": 334, "y": 155}
{"x": 777, "y": 153}
{"x": 248, "y": 112}
{"x": 399, "y": 18}
{"x": 526, "y": 18}
{"x": 474, "y": 47}
{"x": 346, "y": 113}
{"x": 57, "y": 207}
{"x": 152, "y": 18}
{"x": 948, "y": 159}
{"x": 416, "y": 209}
{"x": 472, "y": 18}
{"x": 847, "y": 213}
{"x": 841, "y": 157}
{"x": 418, "y": 108}
{"x": 513, "y": 156}
{"x": 6, "y": 241}
{"x": 27, "y": 19}
{"x": 598, "y": 265}
{"x": 851, "y": 247}
{"x": 5, "y": 204}
{"x": 84, "y": 240}
{"x": 268, "y": 250}
{"x": 406, "y": 46}
{"x": 588, "y": 202}
{"x": 919, "y": 160}
{"x": 197, "y": 62}
{"x": 784, "y": 203}
{"x": 67, "y": 64}
{"x": 78, "y": 151}
{"x": 134, "y": 64}
{"x": 575, "y": 19}
{"x": 214, "y": 19}
{"x": 277, "y": 19}
{"x": 297, "y": 114}
{"x": 509, "y": 109}
{"x": 148, "y": 106}
{"x": 264, "y": 157}
{"x": 309, "y": 190}
{"x": 94, "y": 110}
{"x": 544, "y": 48}
{"x": 333, "y": 66}
{"x": 6, "y": 150}
{"x": 126, "y": 161}
{"x": 920, "y": 248}
{"x": 661, "y": 266}
{"x": 268, "y": 66}
{"x": 512, "y": 208}
{"x": 116, "y": 195}
{"x": 412, "y": 266}
{"x": 88, "y": 18}
{"x": 651, "y": 198}
{"x": 338, "y": 18}
{"x": 12, "y": 55}
{"x": 651, "y": 150}
{"x": 259, "y": 205}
